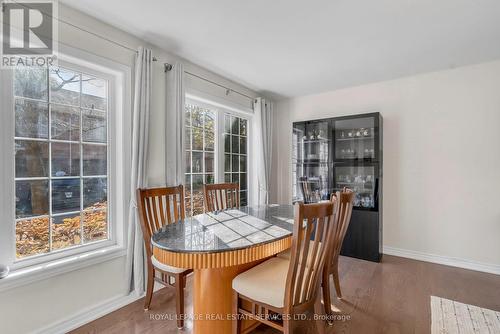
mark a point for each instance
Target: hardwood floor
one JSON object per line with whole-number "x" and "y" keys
{"x": 389, "y": 297}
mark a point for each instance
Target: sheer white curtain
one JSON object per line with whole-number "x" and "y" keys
{"x": 174, "y": 128}
{"x": 263, "y": 150}
{"x": 140, "y": 123}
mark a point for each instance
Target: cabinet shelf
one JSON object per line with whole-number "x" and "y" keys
{"x": 354, "y": 138}
{"x": 315, "y": 141}
{"x": 356, "y": 184}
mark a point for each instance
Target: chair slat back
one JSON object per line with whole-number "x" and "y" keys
{"x": 343, "y": 209}
{"x": 159, "y": 207}
{"x": 221, "y": 196}
{"x": 312, "y": 237}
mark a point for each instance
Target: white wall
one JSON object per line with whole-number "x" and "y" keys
{"x": 29, "y": 308}
{"x": 441, "y": 157}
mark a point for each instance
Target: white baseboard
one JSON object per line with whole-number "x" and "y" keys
{"x": 91, "y": 313}
{"x": 445, "y": 260}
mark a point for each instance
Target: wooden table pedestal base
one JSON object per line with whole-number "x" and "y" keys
{"x": 212, "y": 304}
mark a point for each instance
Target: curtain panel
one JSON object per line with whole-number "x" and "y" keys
{"x": 140, "y": 130}
{"x": 263, "y": 150}
{"x": 174, "y": 127}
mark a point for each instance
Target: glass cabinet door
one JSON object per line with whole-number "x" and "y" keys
{"x": 355, "y": 139}
{"x": 362, "y": 180}
{"x": 310, "y": 159}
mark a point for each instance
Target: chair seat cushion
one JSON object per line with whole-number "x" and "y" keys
{"x": 265, "y": 282}
{"x": 165, "y": 267}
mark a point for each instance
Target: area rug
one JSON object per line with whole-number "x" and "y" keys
{"x": 450, "y": 317}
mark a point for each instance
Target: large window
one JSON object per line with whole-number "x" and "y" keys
{"x": 200, "y": 155}
{"x": 61, "y": 159}
{"x": 235, "y": 153}
{"x": 217, "y": 147}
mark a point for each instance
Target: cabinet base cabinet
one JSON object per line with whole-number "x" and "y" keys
{"x": 363, "y": 239}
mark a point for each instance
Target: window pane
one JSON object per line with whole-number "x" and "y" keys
{"x": 31, "y": 82}
{"x": 32, "y": 237}
{"x": 94, "y": 93}
{"x": 32, "y": 158}
{"x": 235, "y": 178}
{"x": 243, "y": 163}
{"x": 197, "y": 195}
{"x": 227, "y": 162}
{"x": 188, "y": 206}
{"x": 227, "y": 143}
{"x": 187, "y": 195}
{"x": 235, "y": 125}
{"x": 197, "y": 117}
{"x": 66, "y": 231}
{"x": 61, "y": 157}
{"x": 197, "y": 139}
{"x": 95, "y": 224}
{"x": 188, "y": 114}
{"x": 187, "y": 185}
{"x": 200, "y": 156}
{"x": 64, "y": 86}
{"x": 243, "y": 181}
{"x": 188, "y": 161}
{"x": 227, "y": 177}
{"x": 235, "y": 144}
{"x": 209, "y": 163}
{"x": 243, "y": 145}
{"x": 235, "y": 163}
{"x": 209, "y": 121}
{"x": 65, "y": 123}
{"x": 197, "y": 182}
{"x": 227, "y": 124}
{"x": 32, "y": 119}
{"x": 65, "y": 159}
{"x": 243, "y": 127}
{"x": 95, "y": 192}
{"x": 244, "y": 198}
{"x": 32, "y": 198}
{"x": 94, "y": 160}
{"x": 197, "y": 162}
{"x": 188, "y": 138}
{"x": 209, "y": 141}
{"x": 94, "y": 126}
{"x": 209, "y": 179}
{"x": 65, "y": 195}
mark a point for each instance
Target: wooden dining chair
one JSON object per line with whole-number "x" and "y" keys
{"x": 221, "y": 196}
{"x": 344, "y": 201}
{"x": 278, "y": 289}
{"x": 158, "y": 207}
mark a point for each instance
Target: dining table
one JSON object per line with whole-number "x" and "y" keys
{"x": 218, "y": 246}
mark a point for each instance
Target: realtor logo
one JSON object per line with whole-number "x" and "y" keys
{"x": 29, "y": 29}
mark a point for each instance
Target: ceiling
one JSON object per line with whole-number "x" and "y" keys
{"x": 291, "y": 47}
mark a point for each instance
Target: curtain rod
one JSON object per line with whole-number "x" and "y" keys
{"x": 168, "y": 66}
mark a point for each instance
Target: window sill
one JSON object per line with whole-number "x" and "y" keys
{"x": 46, "y": 270}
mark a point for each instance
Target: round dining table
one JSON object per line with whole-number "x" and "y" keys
{"x": 218, "y": 246}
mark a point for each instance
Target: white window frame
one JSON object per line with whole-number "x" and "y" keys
{"x": 119, "y": 144}
{"x": 221, "y": 109}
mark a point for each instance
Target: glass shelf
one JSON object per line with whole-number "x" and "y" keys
{"x": 310, "y": 161}
{"x": 354, "y": 138}
{"x": 361, "y": 179}
{"x": 315, "y": 141}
